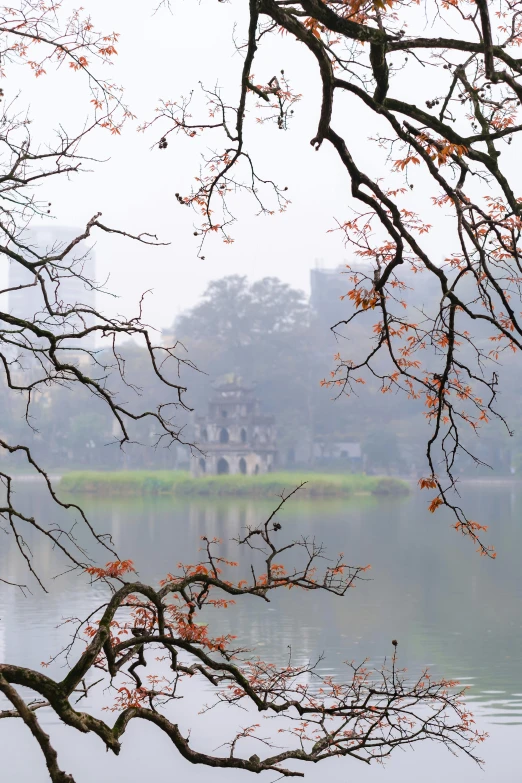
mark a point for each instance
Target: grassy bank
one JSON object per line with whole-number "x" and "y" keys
{"x": 180, "y": 483}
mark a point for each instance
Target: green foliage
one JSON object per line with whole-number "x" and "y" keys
{"x": 267, "y": 333}
{"x": 132, "y": 482}
{"x": 237, "y": 313}
{"x": 262, "y": 332}
{"x": 385, "y": 485}
{"x": 179, "y": 483}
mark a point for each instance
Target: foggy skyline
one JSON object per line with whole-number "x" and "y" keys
{"x": 283, "y": 245}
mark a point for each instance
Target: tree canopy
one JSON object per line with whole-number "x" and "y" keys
{"x": 238, "y": 313}
{"x": 443, "y": 142}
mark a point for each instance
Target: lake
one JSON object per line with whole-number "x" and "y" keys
{"x": 449, "y": 608}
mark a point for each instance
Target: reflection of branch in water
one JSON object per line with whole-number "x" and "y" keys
{"x": 366, "y": 717}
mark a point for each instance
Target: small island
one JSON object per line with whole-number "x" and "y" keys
{"x": 267, "y": 485}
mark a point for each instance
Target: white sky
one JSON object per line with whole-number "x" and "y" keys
{"x": 165, "y": 55}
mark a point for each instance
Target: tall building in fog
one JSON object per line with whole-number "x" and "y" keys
{"x": 28, "y": 302}
{"x": 327, "y": 286}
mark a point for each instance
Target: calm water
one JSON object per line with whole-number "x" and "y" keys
{"x": 449, "y": 608}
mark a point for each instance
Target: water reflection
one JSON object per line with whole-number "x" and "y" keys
{"x": 450, "y": 609}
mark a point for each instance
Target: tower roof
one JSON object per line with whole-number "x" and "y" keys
{"x": 232, "y": 383}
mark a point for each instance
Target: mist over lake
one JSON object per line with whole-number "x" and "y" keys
{"x": 450, "y": 610}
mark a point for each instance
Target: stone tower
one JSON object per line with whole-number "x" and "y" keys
{"x": 235, "y": 437}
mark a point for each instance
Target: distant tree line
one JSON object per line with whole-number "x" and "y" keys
{"x": 267, "y": 333}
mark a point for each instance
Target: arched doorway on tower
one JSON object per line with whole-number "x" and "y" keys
{"x": 223, "y": 467}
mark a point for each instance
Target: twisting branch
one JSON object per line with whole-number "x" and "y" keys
{"x": 366, "y": 718}
{"x": 449, "y": 135}
{"x": 54, "y": 345}
{"x": 433, "y": 358}
{"x": 28, "y": 716}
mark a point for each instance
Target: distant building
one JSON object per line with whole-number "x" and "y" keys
{"x": 235, "y": 436}
{"x": 339, "y": 452}
{"x": 26, "y": 300}
{"x": 327, "y": 286}
{"x": 324, "y": 449}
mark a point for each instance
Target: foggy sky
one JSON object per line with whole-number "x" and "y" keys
{"x": 165, "y": 55}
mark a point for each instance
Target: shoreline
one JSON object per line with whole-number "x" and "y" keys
{"x": 181, "y": 484}
{"x": 491, "y": 480}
